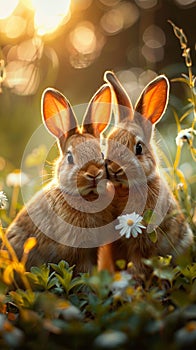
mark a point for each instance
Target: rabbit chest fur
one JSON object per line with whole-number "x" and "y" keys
{"x": 67, "y": 217}
{"x": 60, "y": 230}
{"x": 132, "y": 168}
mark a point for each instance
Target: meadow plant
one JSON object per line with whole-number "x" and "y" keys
{"x": 187, "y": 135}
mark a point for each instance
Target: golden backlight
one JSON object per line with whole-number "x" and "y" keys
{"x": 7, "y": 8}
{"x": 49, "y": 14}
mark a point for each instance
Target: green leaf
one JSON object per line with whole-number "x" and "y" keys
{"x": 179, "y": 297}
{"x": 26, "y": 299}
{"x": 165, "y": 274}
{"x": 40, "y": 277}
{"x": 153, "y": 236}
{"x": 121, "y": 264}
{"x": 147, "y": 215}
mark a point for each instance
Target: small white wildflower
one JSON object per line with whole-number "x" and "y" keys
{"x": 185, "y": 135}
{"x": 111, "y": 339}
{"x": 130, "y": 225}
{"x": 3, "y": 200}
{"x": 71, "y": 313}
{"x": 17, "y": 178}
{"x": 121, "y": 282}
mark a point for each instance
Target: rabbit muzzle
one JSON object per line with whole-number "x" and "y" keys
{"x": 89, "y": 179}
{"x": 115, "y": 173}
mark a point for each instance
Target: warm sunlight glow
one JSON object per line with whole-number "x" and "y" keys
{"x": 7, "y": 7}
{"x": 22, "y": 78}
{"x": 122, "y": 16}
{"x": 83, "y": 38}
{"x": 49, "y": 14}
{"x": 14, "y": 27}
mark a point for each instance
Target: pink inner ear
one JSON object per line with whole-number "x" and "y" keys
{"x": 58, "y": 124}
{"x": 153, "y": 100}
{"x": 101, "y": 109}
{"x": 53, "y": 103}
{"x": 57, "y": 113}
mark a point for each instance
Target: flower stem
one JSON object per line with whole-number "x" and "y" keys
{"x": 177, "y": 158}
{"x": 14, "y": 200}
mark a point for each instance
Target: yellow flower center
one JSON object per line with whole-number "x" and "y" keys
{"x": 130, "y": 222}
{"x": 117, "y": 276}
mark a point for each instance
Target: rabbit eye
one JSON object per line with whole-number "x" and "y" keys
{"x": 70, "y": 158}
{"x": 102, "y": 155}
{"x": 138, "y": 149}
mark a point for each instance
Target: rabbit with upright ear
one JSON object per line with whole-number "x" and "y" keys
{"x": 139, "y": 188}
{"x": 66, "y": 217}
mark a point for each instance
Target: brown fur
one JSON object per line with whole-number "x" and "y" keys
{"x": 60, "y": 216}
{"x": 143, "y": 184}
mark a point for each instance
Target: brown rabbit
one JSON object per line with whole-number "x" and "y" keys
{"x": 139, "y": 188}
{"x": 67, "y": 216}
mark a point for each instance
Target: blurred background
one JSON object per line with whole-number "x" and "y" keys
{"x": 68, "y": 45}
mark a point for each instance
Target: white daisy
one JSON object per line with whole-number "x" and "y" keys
{"x": 17, "y": 178}
{"x": 3, "y": 200}
{"x": 110, "y": 339}
{"x": 130, "y": 225}
{"x": 185, "y": 135}
{"x": 120, "y": 283}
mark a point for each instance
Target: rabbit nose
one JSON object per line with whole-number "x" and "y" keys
{"x": 118, "y": 172}
{"x": 114, "y": 169}
{"x": 93, "y": 173}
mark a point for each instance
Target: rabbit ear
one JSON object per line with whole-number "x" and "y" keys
{"x": 57, "y": 114}
{"x": 98, "y": 112}
{"x": 153, "y": 99}
{"x": 122, "y": 98}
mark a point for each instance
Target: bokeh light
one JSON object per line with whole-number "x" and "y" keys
{"x": 14, "y": 27}
{"x": 22, "y": 73}
{"x": 86, "y": 44}
{"x": 22, "y": 78}
{"x": 153, "y": 55}
{"x": 120, "y": 17}
{"x": 134, "y": 80}
{"x": 30, "y": 50}
{"x": 49, "y": 15}
{"x": 110, "y": 2}
{"x": 26, "y": 26}
{"x": 112, "y": 21}
{"x": 154, "y": 37}
{"x": 83, "y": 38}
{"x": 185, "y": 2}
{"x": 78, "y": 5}
{"x": 7, "y": 7}
{"x": 146, "y": 4}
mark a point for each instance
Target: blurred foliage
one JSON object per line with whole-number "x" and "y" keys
{"x": 103, "y": 311}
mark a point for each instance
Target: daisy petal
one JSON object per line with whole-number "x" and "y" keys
{"x": 139, "y": 230}
{"x": 134, "y": 233}
{"x": 128, "y": 233}
{"x": 123, "y": 231}
{"x": 119, "y": 226}
{"x": 142, "y": 226}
